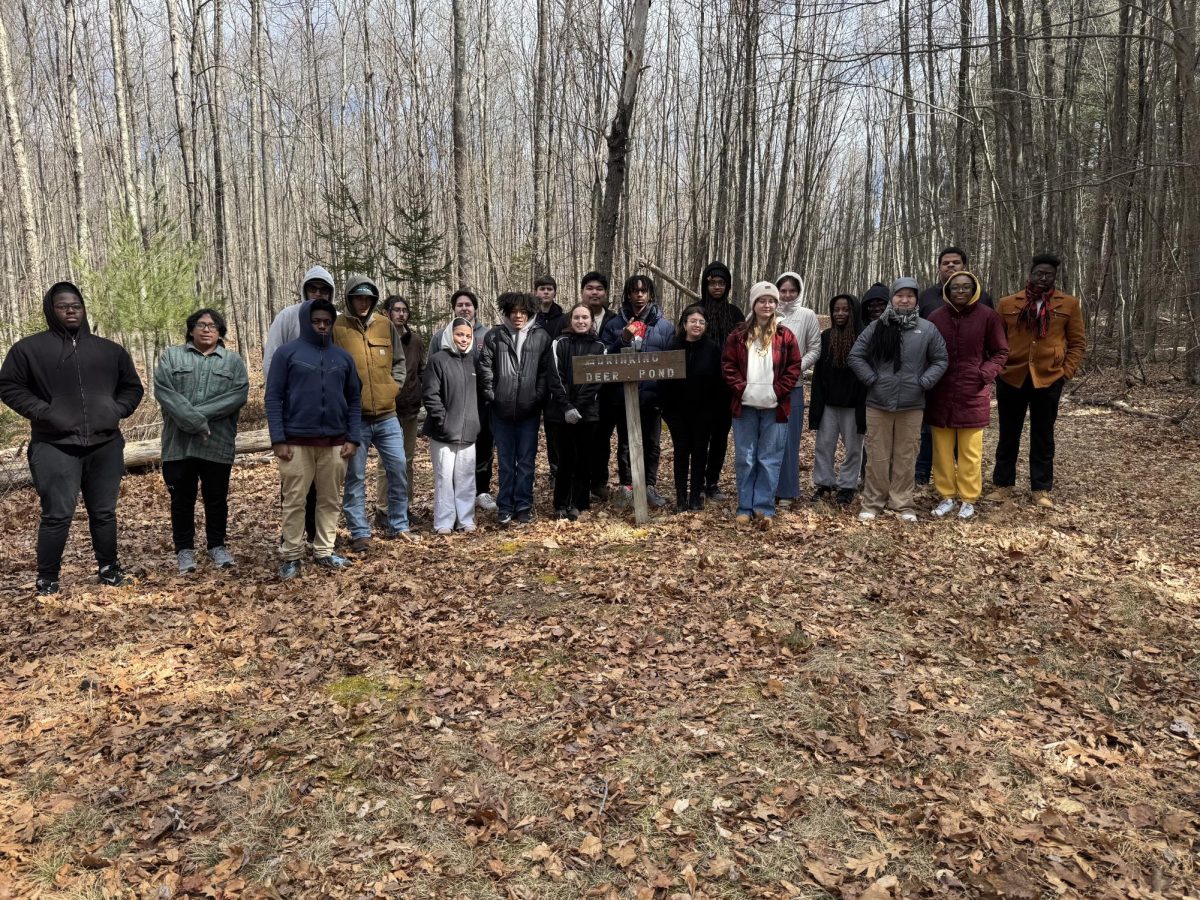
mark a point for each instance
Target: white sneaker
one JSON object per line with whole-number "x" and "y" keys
{"x": 866, "y": 516}
{"x": 966, "y": 511}
{"x": 944, "y": 508}
{"x": 908, "y": 517}
{"x": 623, "y": 497}
{"x": 485, "y": 502}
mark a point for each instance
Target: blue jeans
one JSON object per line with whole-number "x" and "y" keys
{"x": 758, "y": 442}
{"x": 516, "y": 453}
{"x": 925, "y": 456}
{"x": 789, "y": 471}
{"x": 388, "y": 438}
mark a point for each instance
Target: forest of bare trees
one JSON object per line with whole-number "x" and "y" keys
{"x": 165, "y": 153}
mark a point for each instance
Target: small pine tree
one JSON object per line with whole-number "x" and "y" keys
{"x": 144, "y": 291}
{"x": 343, "y": 238}
{"x": 416, "y": 258}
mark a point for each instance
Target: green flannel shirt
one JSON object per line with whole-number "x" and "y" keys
{"x": 200, "y": 395}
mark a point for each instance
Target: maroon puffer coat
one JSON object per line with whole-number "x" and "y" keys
{"x": 978, "y": 348}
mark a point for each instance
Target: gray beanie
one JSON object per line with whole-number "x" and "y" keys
{"x": 900, "y": 283}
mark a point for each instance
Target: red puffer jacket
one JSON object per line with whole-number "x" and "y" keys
{"x": 786, "y": 362}
{"x": 978, "y": 348}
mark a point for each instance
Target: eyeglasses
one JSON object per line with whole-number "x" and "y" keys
{"x": 206, "y": 326}
{"x": 68, "y": 307}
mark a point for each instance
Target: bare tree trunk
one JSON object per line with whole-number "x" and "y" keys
{"x": 116, "y": 20}
{"x": 181, "y": 120}
{"x": 82, "y": 232}
{"x": 1183, "y": 23}
{"x": 618, "y": 137}
{"x": 538, "y": 140}
{"x": 29, "y": 232}
{"x": 216, "y": 109}
{"x": 458, "y": 114}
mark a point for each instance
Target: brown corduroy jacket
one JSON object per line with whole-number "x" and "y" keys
{"x": 1056, "y": 355}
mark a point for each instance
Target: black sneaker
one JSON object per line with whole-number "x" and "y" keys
{"x": 289, "y": 570}
{"x": 572, "y": 513}
{"x": 47, "y": 587}
{"x": 332, "y": 561}
{"x": 504, "y": 519}
{"x": 845, "y": 496}
{"x": 681, "y": 504}
{"x": 696, "y": 501}
{"x": 114, "y": 576}
{"x": 562, "y": 514}
{"x": 716, "y": 494}
{"x": 525, "y": 516}
{"x": 821, "y": 493}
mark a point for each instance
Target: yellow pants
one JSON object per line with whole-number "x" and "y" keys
{"x": 964, "y": 480}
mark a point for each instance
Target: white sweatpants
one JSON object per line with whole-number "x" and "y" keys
{"x": 453, "y": 484}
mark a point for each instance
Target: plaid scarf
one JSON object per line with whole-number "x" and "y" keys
{"x": 1031, "y": 317}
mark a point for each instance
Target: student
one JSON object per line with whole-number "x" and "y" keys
{"x": 551, "y": 318}
{"x": 960, "y": 404}
{"x": 722, "y": 316}
{"x": 838, "y": 408}
{"x": 317, "y": 284}
{"x": 898, "y": 358}
{"x": 464, "y": 304}
{"x": 513, "y": 365}
{"x": 761, "y": 364}
{"x": 201, "y": 386}
{"x": 572, "y": 414}
{"x": 639, "y": 325}
{"x": 802, "y": 322}
{"x": 950, "y": 261}
{"x": 450, "y": 394}
{"x": 1046, "y": 341}
{"x": 75, "y": 388}
{"x": 314, "y": 412}
{"x": 874, "y": 302}
{"x": 408, "y": 401}
{"x": 593, "y": 293}
{"x": 378, "y": 354}
{"x": 687, "y": 405}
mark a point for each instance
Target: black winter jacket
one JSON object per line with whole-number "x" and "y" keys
{"x": 450, "y": 398}
{"x": 834, "y": 385}
{"x": 75, "y": 390}
{"x": 515, "y": 388}
{"x": 693, "y": 397}
{"x": 564, "y": 394}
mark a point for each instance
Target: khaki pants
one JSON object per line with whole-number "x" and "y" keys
{"x": 964, "y": 480}
{"x": 325, "y": 468}
{"x": 893, "y": 439}
{"x": 409, "y": 425}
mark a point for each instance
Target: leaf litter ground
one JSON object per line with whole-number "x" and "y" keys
{"x": 1009, "y": 708}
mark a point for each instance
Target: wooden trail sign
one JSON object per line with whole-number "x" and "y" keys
{"x": 629, "y": 367}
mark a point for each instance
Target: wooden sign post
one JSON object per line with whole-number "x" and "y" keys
{"x": 628, "y": 368}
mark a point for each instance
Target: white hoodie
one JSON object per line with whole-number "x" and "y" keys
{"x": 803, "y": 323}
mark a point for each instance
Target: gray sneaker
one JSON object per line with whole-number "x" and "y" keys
{"x": 220, "y": 558}
{"x": 187, "y": 561}
{"x": 486, "y": 502}
{"x": 289, "y": 570}
{"x": 623, "y": 497}
{"x": 333, "y": 561}
{"x": 653, "y": 497}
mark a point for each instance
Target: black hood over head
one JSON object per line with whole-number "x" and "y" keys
{"x": 63, "y": 287}
{"x": 877, "y": 291}
{"x": 716, "y": 267}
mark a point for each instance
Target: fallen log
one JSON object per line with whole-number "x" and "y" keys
{"x": 1122, "y": 406}
{"x": 14, "y": 468}
{"x": 644, "y": 263}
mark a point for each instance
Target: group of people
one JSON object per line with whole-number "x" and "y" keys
{"x": 901, "y": 380}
